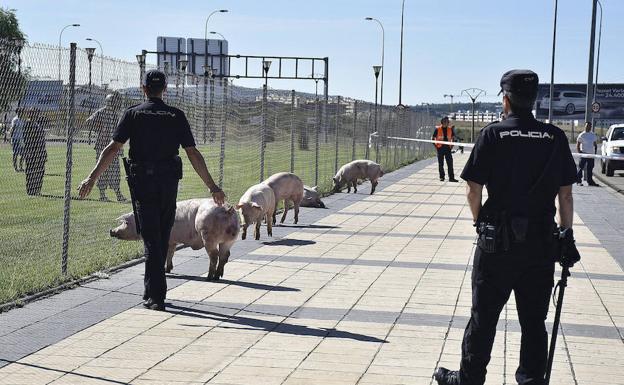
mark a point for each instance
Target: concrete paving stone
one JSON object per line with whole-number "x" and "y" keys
{"x": 374, "y": 290}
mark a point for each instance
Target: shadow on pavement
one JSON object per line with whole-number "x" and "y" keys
{"x": 289, "y": 242}
{"x": 65, "y": 372}
{"x": 270, "y": 326}
{"x": 249, "y": 285}
{"x": 309, "y": 226}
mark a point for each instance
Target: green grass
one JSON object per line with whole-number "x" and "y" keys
{"x": 32, "y": 227}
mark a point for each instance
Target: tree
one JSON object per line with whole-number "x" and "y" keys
{"x": 12, "y": 40}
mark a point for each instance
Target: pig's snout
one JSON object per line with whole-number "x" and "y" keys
{"x": 112, "y": 233}
{"x": 321, "y": 205}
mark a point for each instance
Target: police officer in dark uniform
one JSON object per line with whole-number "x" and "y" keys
{"x": 156, "y": 131}
{"x": 525, "y": 165}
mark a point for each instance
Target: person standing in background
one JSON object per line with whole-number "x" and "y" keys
{"x": 586, "y": 143}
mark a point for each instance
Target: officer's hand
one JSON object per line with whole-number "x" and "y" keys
{"x": 569, "y": 252}
{"x": 218, "y": 197}
{"x": 85, "y": 187}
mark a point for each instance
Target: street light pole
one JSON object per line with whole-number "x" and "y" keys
{"x": 401, "y": 59}
{"x": 60, "y": 48}
{"x": 552, "y": 67}
{"x": 473, "y": 94}
{"x": 217, "y": 33}
{"x": 90, "y": 52}
{"x": 266, "y": 64}
{"x": 383, "y": 51}
{"x": 206, "y": 35}
{"x": 590, "y": 69}
{"x": 376, "y": 70}
{"x": 101, "y": 61}
{"x": 597, "y": 61}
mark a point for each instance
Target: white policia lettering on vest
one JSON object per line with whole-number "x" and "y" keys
{"x": 158, "y": 113}
{"x": 528, "y": 134}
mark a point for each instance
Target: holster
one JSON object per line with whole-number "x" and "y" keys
{"x": 494, "y": 233}
{"x": 166, "y": 168}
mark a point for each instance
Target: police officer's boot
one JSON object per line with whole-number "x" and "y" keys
{"x": 446, "y": 377}
{"x": 153, "y": 305}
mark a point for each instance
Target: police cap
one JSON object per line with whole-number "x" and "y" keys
{"x": 155, "y": 79}
{"x": 520, "y": 82}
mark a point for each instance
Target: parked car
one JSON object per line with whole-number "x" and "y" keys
{"x": 613, "y": 146}
{"x": 569, "y": 102}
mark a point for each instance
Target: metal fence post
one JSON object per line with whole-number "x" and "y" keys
{"x": 223, "y": 129}
{"x": 316, "y": 140}
{"x": 68, "y": 164}
{"x": 212, "y": 130}
{"x": 205, "y": 109}
{"x": 368, "y": 138}
{"x": 292, "y": 131}
{"x": 355, "y": 111}
{"x": 337, "y": 136}
{"x": 263, "y": 131}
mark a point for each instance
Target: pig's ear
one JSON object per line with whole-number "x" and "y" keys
{"x": 238, "y": 206}
{"x": 255, "y": 205}
{"x": 335, "y": 179}
{"x": 315, "y": 188}
{"x": 230, "y": 209}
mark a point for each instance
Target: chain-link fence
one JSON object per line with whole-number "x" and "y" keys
{"x": 54, "y": 127}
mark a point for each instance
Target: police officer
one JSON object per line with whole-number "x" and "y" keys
{"x": 155, "y": 131}
{"x": 445, "y": 133}
{"x": 525, "y": 164}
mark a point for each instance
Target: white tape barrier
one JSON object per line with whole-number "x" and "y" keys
{"x": 471, "y": 145}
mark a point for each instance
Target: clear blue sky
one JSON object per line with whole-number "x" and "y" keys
{"x": 449, "y": 44}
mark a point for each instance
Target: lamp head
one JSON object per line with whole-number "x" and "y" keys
{"x": 140, "y": 59}
{"x": 223, "y": 10}
{"x": 208, "y": 71}
{"x": 75, "y": 25}
{"x": 90, "y": 52}
{"x": 368, "y": 18}
{"x": 266, "y": 64}
{"x": 182, "y": 63}
{"x": 377, "y": 70}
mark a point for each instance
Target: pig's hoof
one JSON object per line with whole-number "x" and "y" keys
{"x": 168, "y": 269}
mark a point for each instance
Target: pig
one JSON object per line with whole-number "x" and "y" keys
{"x": 257, "y": 203}
{"x": 358, "y": 169}
{"x": 311, "y": 198}
{"x": 289, "y": 187}
{"x": 198, "y": 223}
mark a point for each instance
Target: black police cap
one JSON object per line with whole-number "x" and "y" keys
{"x": 154, "y": 78}
{"x": 520, "y": 82}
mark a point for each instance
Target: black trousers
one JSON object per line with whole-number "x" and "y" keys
{"x": 589, "y": 163}
{"x": 528, "y": 271}
{"x": 156, "y": 206}
{"x": 35, "y": 170}
{"x": 444, "y": 152}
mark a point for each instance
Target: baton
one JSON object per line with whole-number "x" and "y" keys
{"x": 130, "y": 180}
{"x": 563, "y": 282}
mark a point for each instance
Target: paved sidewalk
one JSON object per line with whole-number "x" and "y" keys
{"x": 376, "y": 290}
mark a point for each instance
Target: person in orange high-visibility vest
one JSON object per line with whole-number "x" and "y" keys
{"x": 445, "y": 133}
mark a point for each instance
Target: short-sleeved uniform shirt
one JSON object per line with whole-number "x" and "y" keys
{"x": 522, "y": 162}
{"x": 156, "y": 131}
{"x": 587, "y": 140}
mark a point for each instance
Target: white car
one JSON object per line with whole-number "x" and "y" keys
{"x": 569, "y": 102}
{"x": 613, "y": 146}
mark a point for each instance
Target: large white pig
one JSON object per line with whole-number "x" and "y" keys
{"x": 289, "y": 187}
{"x": 198, "y": 223}
{"x": 257, "y": 203}
{"x": 358, "y": 169}
{"x": 312, "y": 198}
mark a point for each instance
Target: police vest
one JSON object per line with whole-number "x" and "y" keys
{"x": 440, "y": 135}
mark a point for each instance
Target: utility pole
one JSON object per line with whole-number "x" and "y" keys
{"x": 590, "y": 69}
{"x": 473, "y": 94}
